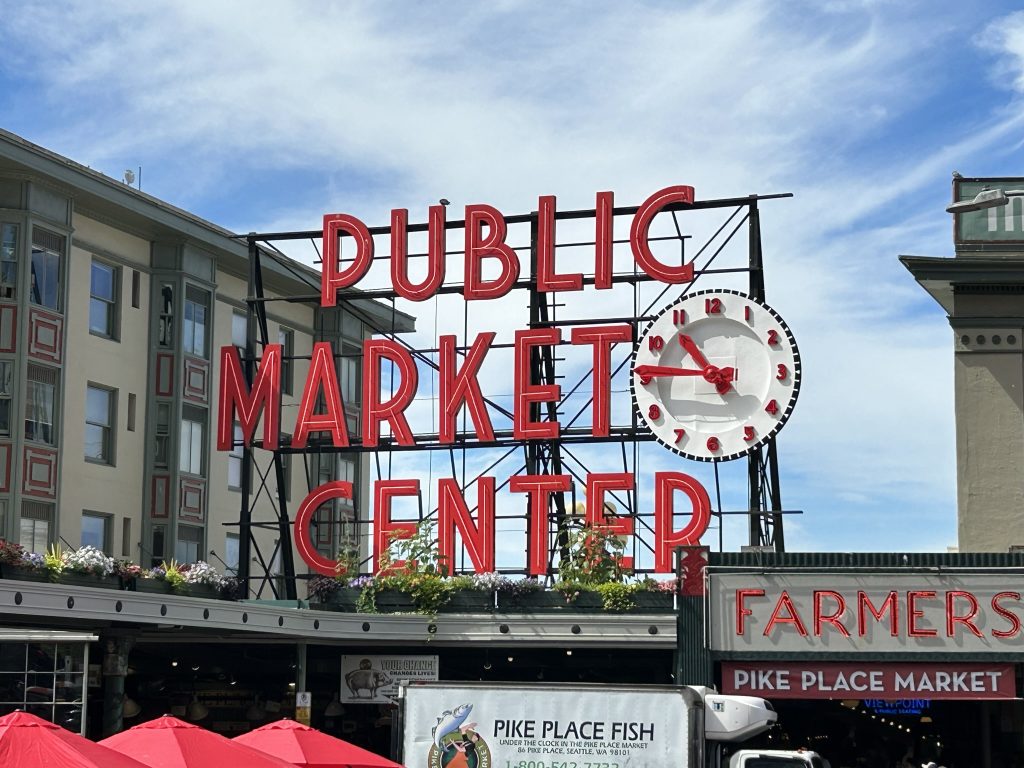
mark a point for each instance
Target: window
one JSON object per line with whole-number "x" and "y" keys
{"x": 136, "y": 289}
{"x": 235, "y": 460}
{"x": 103, "y": 300}
{"x": 96, "y": 531}
{"x": 47, "y": 255}
{"x": 131, "y": 412}
{"x": 231, "y": 553}
{"x": 165, "y": 338}
{"x": 3, "y": 518}
{"x": 163, "y": 435}
{"x": 36, "y": 532}
{"x": 286, "y": 474}
{"x": 8, "y": 261}
{"x": 190, "y": 450}
{"x": 239, "y": 330}
{"x": 350, "y": 384}
{"x": 40, "y": 400}
{"x": 157, "y": 553}
{"x": 189, "y": 547}
{"x": 286, "y": 338}
{"x": 99, "y": 424}
{"x": 6, "y": 372}
{"x": 194, "y": 328}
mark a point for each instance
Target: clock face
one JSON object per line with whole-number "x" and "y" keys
{"x": 715, "y": 375}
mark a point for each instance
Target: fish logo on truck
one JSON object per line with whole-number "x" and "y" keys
{"x": 366, "y": 678}
{"x": 456, "y": 743}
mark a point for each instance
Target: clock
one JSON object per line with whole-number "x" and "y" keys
{"x": 715, "y": 375}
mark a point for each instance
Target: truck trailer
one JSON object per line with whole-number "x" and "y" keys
{"x": 528, "y": 725}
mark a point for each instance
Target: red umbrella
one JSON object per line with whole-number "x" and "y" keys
{"x": 27, "y": 741}
{"x": 309, "y": 748}
{"x": 168, "y": 742}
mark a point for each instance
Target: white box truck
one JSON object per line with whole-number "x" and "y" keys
{"x": 528, "y": 725}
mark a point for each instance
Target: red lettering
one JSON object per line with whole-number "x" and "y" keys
{"x": 952, "y": 619}
{"x": 461, "y": 386}
{"x": 453, "y": 515}
{"x": 914, "y": 613}
{"x": 639, "y": 231}
{"x": 321, "y": 376}
{"x": 392, "y": 411}
{"x": 602, "y": 337}
{"x": 400, "y": 254}
{"x": 1010, "y": 616}
{"x": 539, "y": 488}
{"x": 889, "y": 604}
{"x": 597, "y": 484}
{"x": 604, "y": 239}
{"x": 493, "y": 246}
{"x": 526, "y": 392}
{"x": 384, "y": 530}
{"x": 336, "y": 489}
{"x": 741, "y": 609}
{"x": 666, "y": 539}
{"x": 332, "y": 279}
{"x": 834, "y": 618}
{"x": 264, "y": 398}
{"x": 547, "y": 279}
{"x": 785, "y": 603}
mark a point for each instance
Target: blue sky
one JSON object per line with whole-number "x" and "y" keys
{"x": 265, "y": 116}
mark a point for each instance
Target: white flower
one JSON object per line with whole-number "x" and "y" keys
{"x": 202, "y": 573}
{"x": 88, "y": 559}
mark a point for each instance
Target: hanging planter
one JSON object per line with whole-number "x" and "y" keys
{"x": 468, "y": 601}
{"x": 95, "y": 580}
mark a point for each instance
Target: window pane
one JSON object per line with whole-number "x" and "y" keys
{"x": 39, "y": 404}
{"x": 239, "y": 329}
{"x": 95, "y": 442}
{"x": 8, "y": 261}
{"x": 185, "y": 446}
{"x": 231, "y": 552}
{"x": 102, "y": 285}
{"x": 196, "y": 467}
{"x": 45, "y": 278}
{"x": 97, "y": 405}
{"x": 94, "y": 531}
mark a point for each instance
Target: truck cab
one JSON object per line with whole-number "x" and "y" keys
{"x": 777, "y": 758}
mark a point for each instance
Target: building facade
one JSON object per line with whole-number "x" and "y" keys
{"x": 113, "y": 305}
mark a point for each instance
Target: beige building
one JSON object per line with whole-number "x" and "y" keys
{"x": 113, "y": 306}
{"x": 982, "y": 290}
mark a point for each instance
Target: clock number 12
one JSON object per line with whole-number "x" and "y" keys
{"x": 713, "y": 306}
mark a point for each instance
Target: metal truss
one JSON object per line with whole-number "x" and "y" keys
{"x": 531, "y": 457}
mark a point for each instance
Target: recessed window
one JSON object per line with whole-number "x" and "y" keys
{"x": 96, "y": 531}
{"x": 193, "y": 330}
{"x": 239, "y": 330}
{"x": 231, "y": 553}
{"x": 165, "y": 335}
{"x": 103, "y": 300}
{"x": 190, "y": 449}
{"x": 6, "y": 373}
{"x": 47, "y": 258}
{"x": 99, "y": 424}
{"x": 162, "y": 454}
{"x": 8, "y": 261}
{"x": 235, "y": 460}
{"x": 189, "y": 546}
{"x": 286, "y": 338}
{"x": 36, "y": 526}
{"x": 40, "y": 404}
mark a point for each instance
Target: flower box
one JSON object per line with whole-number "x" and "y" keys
{"x": 154, "y": 586}
{"x": 549, "y": 601}
{"x": 341, "y": 600}
{"x": 469, "y": 601}
{"x": 393, "y": 601}
{"x": 209, "y": 591}
{"x": 24, "y": 574}
{"x": 99, "y": 581}
{"x": 653, "y": 602}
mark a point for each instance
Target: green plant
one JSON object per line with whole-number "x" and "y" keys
{"x": 173, "y": 575}
{"x": 618, "y": 598}
{"x": 412, "y": 565}
{"x": 53, "y": 561}
{"x": 348, "y": 565}
{"x": 594, "y": 556}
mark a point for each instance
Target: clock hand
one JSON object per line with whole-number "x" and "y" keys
{"x": 690, "y": 346}
{"x": 648, "y": 372}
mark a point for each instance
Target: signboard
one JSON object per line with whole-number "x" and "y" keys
{"x": 1001, "y": 224}
{"x": 374, "y": 679}
{"x": 868, "y": 680}
{"x": 800, "y": 612}
{"x": 557, "y": 727}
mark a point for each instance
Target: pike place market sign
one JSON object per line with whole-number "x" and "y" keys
{"x": 792, "y": 612}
